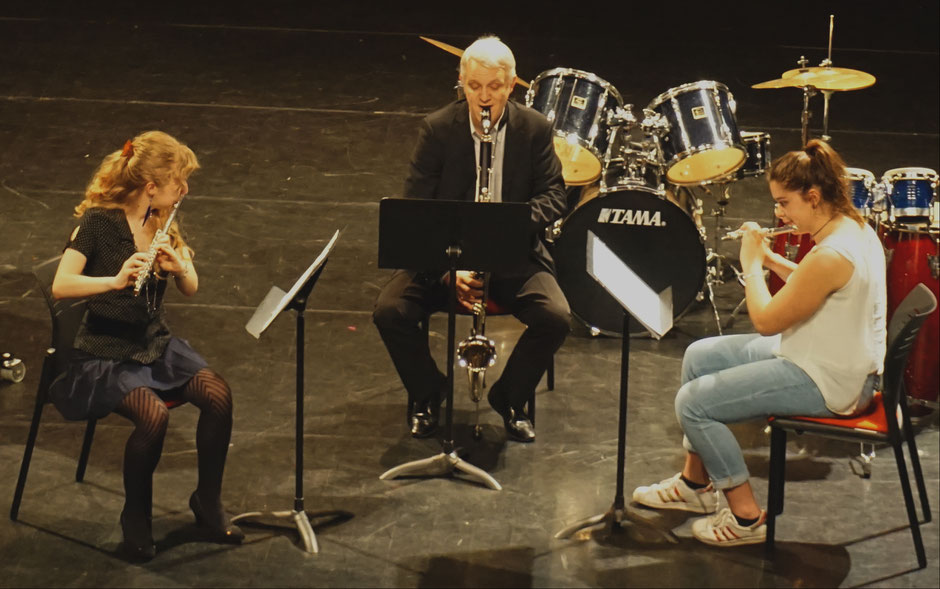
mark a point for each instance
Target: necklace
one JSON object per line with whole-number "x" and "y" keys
{"x": 813, "y": 236}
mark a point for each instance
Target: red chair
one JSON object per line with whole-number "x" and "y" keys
{"x": 877, "y": 425}
{"x": 66, "y": 317}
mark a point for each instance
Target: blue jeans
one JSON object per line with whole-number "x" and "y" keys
{"x": 734, "y": 378}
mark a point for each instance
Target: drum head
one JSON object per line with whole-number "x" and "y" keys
{"x": 706, "y": 165}
{"x": 579, "y": 166}
{"x": 653, "y": 236}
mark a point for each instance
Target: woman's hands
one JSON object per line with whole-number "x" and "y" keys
{"x": 127, "y": 275}
{"x": 168, "y": 259}
{"x": 755, "y": 248}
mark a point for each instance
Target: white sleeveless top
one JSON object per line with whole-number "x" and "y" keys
{"x": 844, "y": 340}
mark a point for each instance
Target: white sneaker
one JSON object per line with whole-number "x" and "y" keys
{"x": 674, "y": 493}
{"x": 722, "y": 529}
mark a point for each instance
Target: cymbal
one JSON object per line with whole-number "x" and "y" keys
{"x": 459, "y": 53}
{"x": 821, "y": 78}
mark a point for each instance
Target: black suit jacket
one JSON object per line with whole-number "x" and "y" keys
{"x": 444, "y": 166}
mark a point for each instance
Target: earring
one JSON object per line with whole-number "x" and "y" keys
{"x": 149, "y": 210}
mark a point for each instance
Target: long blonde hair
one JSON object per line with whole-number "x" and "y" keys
{"x": 152, "y": 156}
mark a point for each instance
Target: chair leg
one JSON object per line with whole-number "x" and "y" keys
{"x": 531, "y": 408}
{"x": 550, "y": 377}
{"x": 425, "y": 326}
{"x": 27, "y": 457}
{"x": 915, "y": 459}
{"x": 86, "y": 449}
{"x": 775, "y": 486}
{"x": 909, "y": 504}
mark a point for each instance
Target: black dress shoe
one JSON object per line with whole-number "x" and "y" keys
{"x": 138, "y": 542}
{"x": 517, "y": 424}
{"x": 423, "y": 421}
{"x": 519, "y": 427}
{"x": 217, "y": 524}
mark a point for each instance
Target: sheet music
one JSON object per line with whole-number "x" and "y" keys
{"x": 652, "y": 310}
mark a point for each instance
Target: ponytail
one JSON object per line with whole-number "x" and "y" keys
{"x": 816, "y": 166}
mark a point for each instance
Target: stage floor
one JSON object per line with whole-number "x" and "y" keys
{"x": 303, "y": 119}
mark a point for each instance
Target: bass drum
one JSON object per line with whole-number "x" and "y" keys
{"x": 651, "y": 231}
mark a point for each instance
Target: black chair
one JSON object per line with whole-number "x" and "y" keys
{"x": 66, "y": 317}
{"x": 877, "y": 425}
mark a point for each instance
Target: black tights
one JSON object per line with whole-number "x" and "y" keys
{"x": 211, "y": 394}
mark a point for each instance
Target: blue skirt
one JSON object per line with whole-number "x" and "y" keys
{"x": 94, "y": 387}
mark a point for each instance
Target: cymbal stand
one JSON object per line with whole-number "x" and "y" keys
{"x": 826, "y": 95}
{"x": 808, "y": 92}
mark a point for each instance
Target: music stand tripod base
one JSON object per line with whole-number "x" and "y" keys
{"x": 301, "y": 521}
{"x": 614, "y": 519}
{"x": 442, "y": 464}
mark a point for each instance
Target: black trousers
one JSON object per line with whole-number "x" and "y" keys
{"x": 534, "y": 298}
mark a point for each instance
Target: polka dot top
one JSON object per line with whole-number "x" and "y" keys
{"x": 117, "y": 324}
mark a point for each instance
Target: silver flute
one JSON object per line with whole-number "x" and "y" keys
{"x": 145, "y": 272}
{"x": 738, "y": 233}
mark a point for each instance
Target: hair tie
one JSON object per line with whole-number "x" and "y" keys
{"x": 128, "y": 150}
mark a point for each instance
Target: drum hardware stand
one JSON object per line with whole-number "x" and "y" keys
{"x": 716, "y": 262}
{"x": 827, "y": 94}
{"x": 808, "y": 92}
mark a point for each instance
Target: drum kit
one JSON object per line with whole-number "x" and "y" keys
{"x": 633, "y": 174}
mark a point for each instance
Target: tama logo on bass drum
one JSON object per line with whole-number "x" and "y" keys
{"x": 631, "y": 217}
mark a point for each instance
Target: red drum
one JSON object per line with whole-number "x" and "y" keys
{"x": 912, "y": 257}
{"x": 791, "y": 247}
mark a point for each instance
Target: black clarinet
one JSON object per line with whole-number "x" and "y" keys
{"x": 478, "y": 352}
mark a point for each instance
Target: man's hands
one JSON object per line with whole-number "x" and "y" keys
{"x": 469, "y": 288}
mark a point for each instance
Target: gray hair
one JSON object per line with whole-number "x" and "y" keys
{"x": 489, "y": 52}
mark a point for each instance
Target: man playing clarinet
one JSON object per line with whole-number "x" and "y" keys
{"x": 524, "y": 168}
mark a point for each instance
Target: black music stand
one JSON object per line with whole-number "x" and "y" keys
{"x": 446, "y": 235}
{"x": 273, "y": 304}
{"x": 654, "y": 311}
